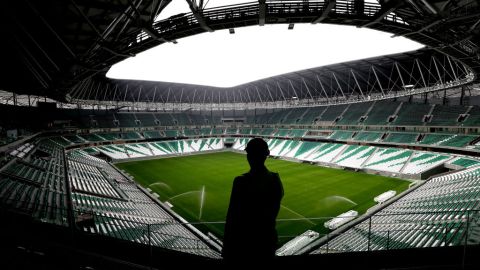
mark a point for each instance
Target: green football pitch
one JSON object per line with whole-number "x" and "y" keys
{"x": 199, "y": 186}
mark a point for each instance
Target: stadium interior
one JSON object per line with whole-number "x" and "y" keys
{"x": 70, "y": 197}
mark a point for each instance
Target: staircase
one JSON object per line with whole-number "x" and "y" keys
{"x": 339, "y": 154}
{"x": 368, "y": 159}
{"x": 420, "y": 137}
{"x": 341, "y": 115}
{"x": 323, "y": 112}
{"x": 430, "y": 113}
{"x": 368, "y": 111}
{"x": 303, "y": 114}
{"x": 468, "y": 110}
{"x": 286, "y": 116}
{"x": 398, "y": 108}
{"x": 406, "y": 162}
{"x": 149, "y": 148}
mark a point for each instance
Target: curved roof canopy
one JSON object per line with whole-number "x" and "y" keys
{"x": 64, "y": 48}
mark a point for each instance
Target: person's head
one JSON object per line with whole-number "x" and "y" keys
{"x": 257, "y": 152}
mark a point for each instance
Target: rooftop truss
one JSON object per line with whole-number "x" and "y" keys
{"x": 362, "y": 80}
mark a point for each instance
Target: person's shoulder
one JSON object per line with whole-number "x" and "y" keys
{"x": 274, "y": 174}
{"x": 241, "y": 177}
{"x": 275, "y": 178}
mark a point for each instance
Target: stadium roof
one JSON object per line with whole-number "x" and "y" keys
{"x": 224, "y": 60}
{"x": 353, "y": 80}
{"x": 64, "y": 48}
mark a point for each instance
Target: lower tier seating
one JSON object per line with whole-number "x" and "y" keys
{"x": 122, "y": 210}
{"x": 433, "y": 215}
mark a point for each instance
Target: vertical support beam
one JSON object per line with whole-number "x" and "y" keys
{"x": 400, "y": 74}
{"x": 281, "y": 91}
{"x": 248, "y": 95}
{"x": 329, "y": 4}
{"x": 386, "y": 9}
{"x": 444, "y": 101}
{"x": 204, "y": 96}
{"x": 421, "y": 72}
{"x": 154, "y": 94}
{"x": 429, "y": 6}
{"x": 291, "y": 84}
{"x": 451, "y": 66}
{"x": 378, "y": 80}
{"x": 168, "y": 96}
{"x": 262, "y": 12}
{"x": 198, "y": 13}
{"x": 193, "y": 99}
{"x": 139, "y": 93}
{"x": 258, "y": 94}
{"x": 356, "y": 81}
{"x": 339, "y": 86}
{"x": 269, "y": 93}
{"x": 462, "y": 95}
{"x": 436, "y": 68}
{"x": 180, "y": 101}
{"x": 97, "y": 90}
{"x": 105, "y": 92}
{"x": 323, "y": 89}
{"x": 308, "y": 89}
{"x": 359, "y": 6}
{"x": 115, "y": 93}
{"x": 125, "y": 95}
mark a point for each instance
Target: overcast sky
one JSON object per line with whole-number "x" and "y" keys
{"x": 225, "y": 60}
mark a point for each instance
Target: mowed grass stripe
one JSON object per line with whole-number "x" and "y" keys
{"x": 310, "y": 191}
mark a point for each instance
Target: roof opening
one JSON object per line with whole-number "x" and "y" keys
{"x": 221, "y": 59}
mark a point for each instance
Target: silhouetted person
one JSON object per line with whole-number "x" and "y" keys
{"x": 250, "y": 232}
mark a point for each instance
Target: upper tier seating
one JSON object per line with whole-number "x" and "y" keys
{"x": 312, "y": 114}
{"x": 473, "y": 118}
{"x": 332, "y": 113}
{"x": 146, "y": 119}
{"x": 380, "y": 112}
{"x": 354, "y": 112}
{"x": 295, "y": 115}
{"x": 411, "y": 114}
{"x": 198, "y": 119}
{"x": 446, "y": 115}
{"x": 165, "y": 119}
{"x": 181, "y": 119}
{"x": 127, "y": 120}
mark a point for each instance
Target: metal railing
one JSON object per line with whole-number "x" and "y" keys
{"x": 363, "y": 234}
